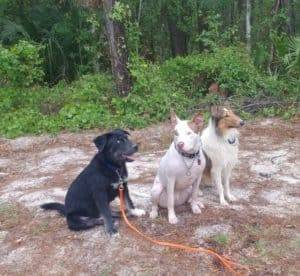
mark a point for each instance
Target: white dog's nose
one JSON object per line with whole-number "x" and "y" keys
{"x": 181, "y": 145}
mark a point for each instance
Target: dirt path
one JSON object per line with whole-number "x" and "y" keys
{"x": 261, "y": 230}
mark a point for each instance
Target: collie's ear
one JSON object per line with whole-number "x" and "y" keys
{"x": 100, "y": 142}
{"x": 174, "y": 118}
{"x": 226, "y": 104}
{"x": 217, "y": 111}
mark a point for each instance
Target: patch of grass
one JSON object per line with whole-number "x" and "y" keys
{"x": 40, "y": 228}
{"x": 106, "y": 271}
{"x": 9, "y": 215}
{"x": 295, "y": 243}
{"x": 221, "y": 239}
{"x": 261, "y": 247}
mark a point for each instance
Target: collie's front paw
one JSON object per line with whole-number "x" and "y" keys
{"x": 137, "y": 212}
{"x": 195, "y": 208}
{"x": 223, "y": 202}
{"x": 154, "y": 213}
{"x": 173, "y": 219}
{"x": 231, "y": 197}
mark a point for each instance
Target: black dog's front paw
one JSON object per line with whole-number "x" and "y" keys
{"x": 112, "y": 230}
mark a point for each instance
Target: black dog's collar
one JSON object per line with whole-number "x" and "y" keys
{"x": 121, "y": 180}
{"x": 188, "y": 155}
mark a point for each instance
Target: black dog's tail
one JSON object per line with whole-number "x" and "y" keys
{"x": 55, "y": 206}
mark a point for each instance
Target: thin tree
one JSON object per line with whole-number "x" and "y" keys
{"x": 248, "y": 25}
{"x": 115, "y": 33}
{"x": 118, "y": 51}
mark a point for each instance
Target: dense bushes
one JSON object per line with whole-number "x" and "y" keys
{"x": 181, "y": 83}
{"x": 21, "y": 65}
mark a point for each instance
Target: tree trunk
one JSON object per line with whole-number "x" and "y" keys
{"x": 177, "y": 39}
{"x": 248, "y": 25}
{"x": 291, "y": 16}
{"x": 272, "y": 50}
{"x": 118, "y": 51}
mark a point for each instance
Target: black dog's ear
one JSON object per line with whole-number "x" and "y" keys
{"x": 119, "y": 131}
{"x": 100, "y": 142}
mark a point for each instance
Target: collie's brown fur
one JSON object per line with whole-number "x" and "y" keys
{"x": 225, "y": 119}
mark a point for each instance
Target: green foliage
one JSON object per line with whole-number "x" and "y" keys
{"x": 120, "y": 12}
{"x": 21, "y": 64}
{"x": 230, "y": 67}
{"x": 213, "y": 37}
{"x": 181, "y": 83}
{"x": 221, "y": 239}
{"x": 292, "y": 58}
{"x": 72, "y": 36}
{"x": 77, "y": 106}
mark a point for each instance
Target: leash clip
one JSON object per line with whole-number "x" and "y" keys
{"x": 121, "y": 186}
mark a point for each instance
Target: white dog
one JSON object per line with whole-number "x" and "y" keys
{"x": 180, "y": 170}
{"x": 220, "y": 143}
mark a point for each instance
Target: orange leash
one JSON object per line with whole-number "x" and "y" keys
{"x": 224, "y": 261}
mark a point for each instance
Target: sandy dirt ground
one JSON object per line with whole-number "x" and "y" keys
{"x": 260, "y": 230}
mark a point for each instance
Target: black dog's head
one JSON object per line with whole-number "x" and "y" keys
{"x": 116, "y": 146}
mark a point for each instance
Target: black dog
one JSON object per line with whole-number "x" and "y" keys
{"x": 97, "y": 185}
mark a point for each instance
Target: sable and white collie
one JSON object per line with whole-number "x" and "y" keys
{"x": 220, "y": 141}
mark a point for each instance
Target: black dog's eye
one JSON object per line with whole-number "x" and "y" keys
{"x": 120, "y": 141}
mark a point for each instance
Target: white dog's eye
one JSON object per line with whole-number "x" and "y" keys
{"x": 176, "y": 133}
{"x": 189, "y": 133}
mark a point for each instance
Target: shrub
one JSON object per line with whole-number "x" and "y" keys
{"x": 231, "y": 67}
{"x": 179, "y": 83}
{"x": 21, "y": 65}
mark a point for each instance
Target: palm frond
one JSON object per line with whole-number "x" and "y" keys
{"x": 11, "y": 31}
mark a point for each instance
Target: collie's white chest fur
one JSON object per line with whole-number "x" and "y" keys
{"x": 222, "y": 150}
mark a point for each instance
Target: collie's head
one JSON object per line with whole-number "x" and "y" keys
{"x": 225, "y": 119}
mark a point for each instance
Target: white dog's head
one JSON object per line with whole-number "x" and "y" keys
{"x": 186, "y": 133}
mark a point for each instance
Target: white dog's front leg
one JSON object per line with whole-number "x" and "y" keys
{"x": 226, "y": 181}
{"x": 155, "y": 196}
{"x": 195, "y": 202}
{"x": 216, "y": 174}
{"x": 170, "y": 194}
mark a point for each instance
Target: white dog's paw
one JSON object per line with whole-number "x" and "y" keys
{"x": 200, "y": 204}
{"x": 223, "y": 202}
{"x": 153, "y": 214}
{"x": 195, "y": 208}
{"x": 137, "y": 212}
{"x": 173, "y": 219}
{"x": 196, "y": 201}
{"x": 231, "y": 197}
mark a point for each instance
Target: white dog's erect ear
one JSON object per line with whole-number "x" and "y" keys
{"x": 198, "y": 119}
{"x": 174, "y": 118}
{"x": 196, "y": 122}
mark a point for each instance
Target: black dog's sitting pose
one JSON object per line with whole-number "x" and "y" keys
{"x": 87, "y": 200}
